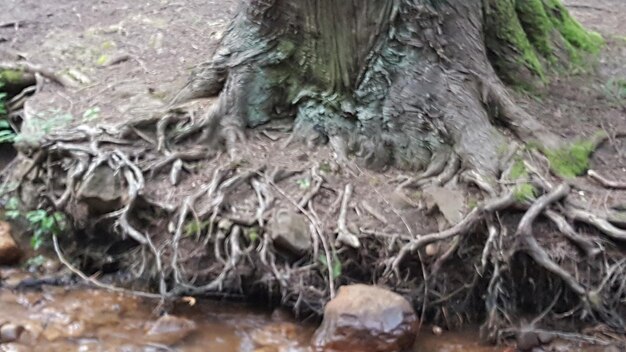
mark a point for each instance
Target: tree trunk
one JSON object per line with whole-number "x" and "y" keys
{"x": 393, "y": 82}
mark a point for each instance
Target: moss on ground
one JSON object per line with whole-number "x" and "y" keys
{"x": 11, "y": 76}
{"x": 571, "y": 161}
{"x": 524, "y": 192}
{"x": 518, "y": 171}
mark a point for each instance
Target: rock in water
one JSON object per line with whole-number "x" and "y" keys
{"x": 290, "y": 232}
{"x": 367, "y": 318}
{"x": 10, "y": 253}
{"x": 169, "y": 330}
{"x": 10, "y": 333}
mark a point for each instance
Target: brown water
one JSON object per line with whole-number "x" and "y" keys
{"x": 59, "y": 319}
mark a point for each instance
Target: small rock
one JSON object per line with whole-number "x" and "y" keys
{"x": 51, "y": 266}
{"x": 527, "y": 340}
{"x": 169, "y": 330}
{"x": 432, "y": 249}
{"x": 290, "y": 231}
{"x": 10, "y": 253}
{"x": 451, "y": 202}
{"x": 367, "y": 318}
{"x": 401, "y": 201}
{"x": 437, "y": 331}
{"x": 10, "y": 332}
{"x": 102, "y": 191}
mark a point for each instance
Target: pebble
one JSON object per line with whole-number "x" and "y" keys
{"x": 10, "y": 332}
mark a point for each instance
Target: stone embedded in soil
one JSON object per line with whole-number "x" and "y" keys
{"x": 528, "y": 339}
{"x": 450, "y": 202}
{"x": 102, "y": 191}
{"x": 10, "y": 252}
{"x": 367, "y": 318}
{"x": 290, "y": 232}
{"x": 169, "y": 330}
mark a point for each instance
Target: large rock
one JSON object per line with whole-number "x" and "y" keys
{"x": 367, "y": 318}
{"x": 290, "y": 232}
{"x": 10, "y": 253}
{"x": 102, "y": 191}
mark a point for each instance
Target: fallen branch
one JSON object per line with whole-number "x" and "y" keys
{"x": 36, "y": 69}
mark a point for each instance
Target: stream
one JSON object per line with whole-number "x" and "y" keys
{"x": 84, "y": 319}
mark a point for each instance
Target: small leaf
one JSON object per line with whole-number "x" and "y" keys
{"x": 13, "y": 203}
{"x": 253, "y": 234}
{"x": 92, "y": 114}
{"x": 12, "y": 214}
{"x": 304, "y": 183}
{"x": 337, "y": 267}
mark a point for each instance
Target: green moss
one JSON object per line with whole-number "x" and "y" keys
{"x": 537, "y": 26}
{"x": 571, "y": 161}
{"x": 11, "y": 76}
{"x": 504, "y": 23}
{"x": 571, "y": 29}
{"x": 525, "y": 192}
{"x": 518, "y": 170}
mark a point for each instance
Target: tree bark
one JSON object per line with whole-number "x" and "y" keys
{"x": 393, "y": 82}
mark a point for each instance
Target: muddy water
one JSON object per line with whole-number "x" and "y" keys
{"x": 58, "y": 319}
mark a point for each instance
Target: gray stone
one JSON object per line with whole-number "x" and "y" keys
{"x": 102, "y": 191}
{"x": 10, "y": 332}
{"x": 169, "y": 330}
{"x": 450, "y": 202}
{"x": 290, "y": 232}
{"x": 367, "y": 318}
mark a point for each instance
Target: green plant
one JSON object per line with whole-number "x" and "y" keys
{"x": 42, "y": 223}
{"x": 91, "y": 114}
{"x": 43, "y": 123}
{"x": 252, "y": 234}
{"x": 336, "y": 265}
{"x": 615, "y": 90}
{"x": 195, "y": 227}
{"x": 7, "y": 135}
{"x": 35, "y": 262}
{"x": 45, "y": 224}
{"x": 304, "y": 183}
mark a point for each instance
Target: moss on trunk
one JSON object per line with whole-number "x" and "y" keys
{"x": 529, "y": 38}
